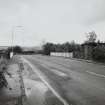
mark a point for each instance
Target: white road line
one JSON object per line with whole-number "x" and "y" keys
{"x": 45, "y": 82}
{"x": 59, "y": 73}
{"x": 93, "y": 73}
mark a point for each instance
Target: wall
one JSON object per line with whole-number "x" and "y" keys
{"x": 62, "y": 54}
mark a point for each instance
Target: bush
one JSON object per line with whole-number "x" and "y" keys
{"x": 98, "y": 53}
{"x": 3, "y": 64}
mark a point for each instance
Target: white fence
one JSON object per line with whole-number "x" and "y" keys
{"x": 62, "y": 54}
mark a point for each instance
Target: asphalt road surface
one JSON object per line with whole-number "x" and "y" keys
{"x": 72, "y": 82}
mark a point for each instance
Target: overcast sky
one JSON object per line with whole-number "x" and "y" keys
{"x": 50, "y": 20}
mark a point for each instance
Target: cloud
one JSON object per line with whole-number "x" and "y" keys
{"x": 54, "y": 11}
{"x": 90, "y": 11}
{"x": 50, "y": 17}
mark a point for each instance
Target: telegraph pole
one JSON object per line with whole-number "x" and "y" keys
{"x": 12, "y": 42}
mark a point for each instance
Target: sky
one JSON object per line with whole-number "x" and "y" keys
{"x": 33, "y": 22}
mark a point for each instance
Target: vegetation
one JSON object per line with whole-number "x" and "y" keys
{"x": 15, "y": 49}
{"x": 65, "y": 47}
{"x": 97, "y": 48}
{"x": 98, "y": 53}
{"x": 91, "y": 37}
{"x": 3, "y": 63}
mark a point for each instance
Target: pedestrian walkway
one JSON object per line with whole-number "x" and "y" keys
{"x": 11, "y": 94}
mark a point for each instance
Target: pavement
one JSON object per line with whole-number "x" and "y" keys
{"x": 70, "y": 82}
{"x": 11, "y": 94}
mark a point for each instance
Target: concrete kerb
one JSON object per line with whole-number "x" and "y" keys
{"x": 88, "y": 61}
{"x": 83, "y": 60}
{"x": 23, "y": 95}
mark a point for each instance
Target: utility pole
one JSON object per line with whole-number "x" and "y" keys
{"x": 12, "y": 52}
{"x": 12, "y": 42}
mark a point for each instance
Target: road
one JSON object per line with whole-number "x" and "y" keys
{"x": 72, "y": 82}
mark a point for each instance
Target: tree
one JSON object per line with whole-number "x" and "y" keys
{"x": 15, "y": 49}
{"x": 47, "y": 48}
{"x": 65, "y": 47}
{"x": 91, "y": 37}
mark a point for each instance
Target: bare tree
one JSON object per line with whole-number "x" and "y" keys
{"x": 91, "y": 37}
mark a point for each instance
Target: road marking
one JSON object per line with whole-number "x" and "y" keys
{"x": 45, "y": 82}
{"x": 59, "y": 73}
{"x": 93, "y": 73}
